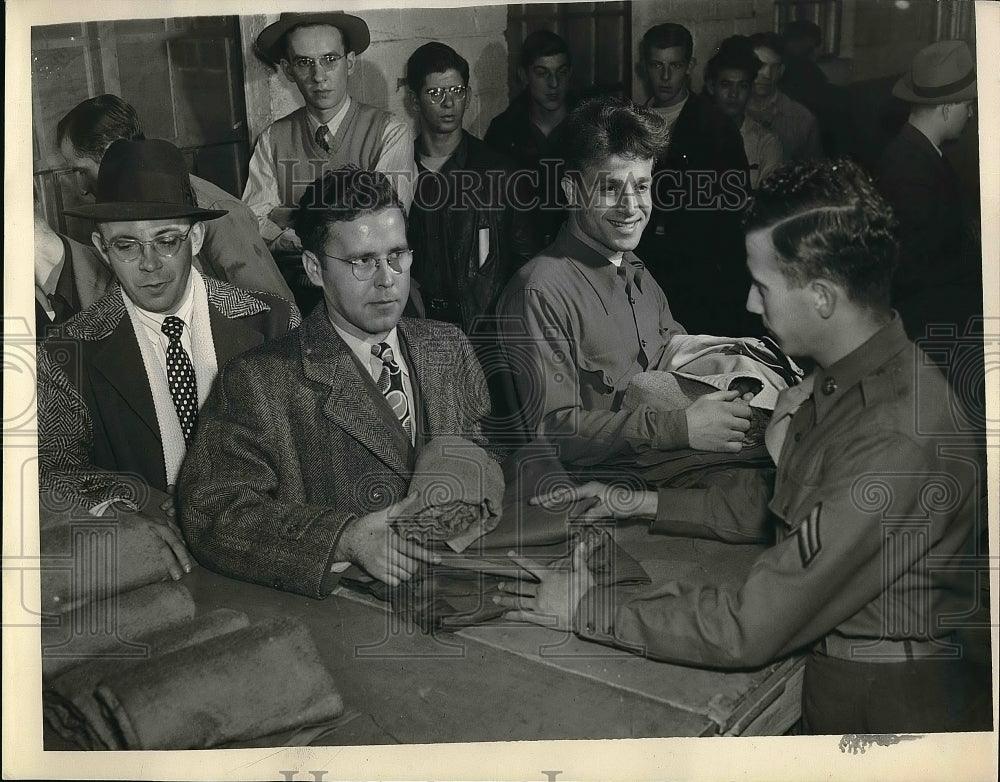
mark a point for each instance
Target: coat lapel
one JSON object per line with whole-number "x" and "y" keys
{"x": 350, "y": 404}
{"x": 117, "y": 358}
{"x": 426, "y": 369}
{"x": 231, "y": 336}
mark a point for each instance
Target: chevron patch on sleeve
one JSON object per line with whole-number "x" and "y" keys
{"x": 808, "y": 536}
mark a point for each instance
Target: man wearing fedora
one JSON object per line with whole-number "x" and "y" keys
{"x": 120, "y": 385}
{"x": 938, "y": 280}
{"x": 316, "y": 52}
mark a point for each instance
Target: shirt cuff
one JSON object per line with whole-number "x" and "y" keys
{"x": 671, "y": 429}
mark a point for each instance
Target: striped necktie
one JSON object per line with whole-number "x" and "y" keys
{"x": 321, "y": 133}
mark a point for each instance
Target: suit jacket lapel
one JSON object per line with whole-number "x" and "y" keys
{"x": 117, "y": 358}
{"x": 426, "y": 376}
{"x": 231, "y": 336}
{"x": 350, "y": 404}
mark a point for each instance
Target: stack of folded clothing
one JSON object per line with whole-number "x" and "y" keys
{"x": 127, "y": 663}
{"x": 458, "y": 592}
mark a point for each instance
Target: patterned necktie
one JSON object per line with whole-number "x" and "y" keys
{"x": 390, "y": 383}
{"x": 321, "y": 132}
{"x": 181, "y": 378}
{"x": 789, "y": 400}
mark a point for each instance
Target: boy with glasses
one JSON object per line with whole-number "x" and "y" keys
{"x": 316, "y": 52}
{"x": 307, "y": 446}
{"x": 121, "y": 385}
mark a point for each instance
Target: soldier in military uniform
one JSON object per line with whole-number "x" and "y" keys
{"x": 876, "y": 496}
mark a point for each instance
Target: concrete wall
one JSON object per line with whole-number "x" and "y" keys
{"x": 476, "y": 33}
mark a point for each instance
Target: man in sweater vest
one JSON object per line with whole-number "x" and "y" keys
{"x": 316, "y": 52}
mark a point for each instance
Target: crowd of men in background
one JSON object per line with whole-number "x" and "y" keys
{"x": 518, "y": 257}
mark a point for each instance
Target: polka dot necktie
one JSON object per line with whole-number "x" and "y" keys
{"x": 390, "y": 383}
{"x": 321, "y": 132}
{"x": 181, "y": 378}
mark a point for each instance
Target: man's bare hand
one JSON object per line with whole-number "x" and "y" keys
{"x": 596, "y": 501}
{"x": 372, "y": 543}
{"x": 169, "y": 505}
{"x": 173, "y": 552}
{"x": 718, "y": 422}
{"x": 552, "y": 601}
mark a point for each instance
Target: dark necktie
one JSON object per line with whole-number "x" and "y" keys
{"x": 321, "y": 132}
{"x": 390, "y": 383}
{"x": 181, "y": 378}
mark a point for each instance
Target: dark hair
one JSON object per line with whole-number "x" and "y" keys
{"x": 827, "y": 220}
{"x": 542, "y": 43}
{"x": 92, "y": 125}
{"x": 803, "y": 29}
{"x": 768, "y": 40}
{"x": 339, "y": 196}
{"x": 733, "y": 52}
{"x": 282, "y": 44}
{"x": 612, "y": 125}
{"x": 665, "y": 36}
{"x": 434, "y": 57}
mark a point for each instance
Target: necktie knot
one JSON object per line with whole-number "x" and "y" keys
{"x": 321, "y": 133}
{"x": 172, "y": 326}
{"x": 382, "y": 351}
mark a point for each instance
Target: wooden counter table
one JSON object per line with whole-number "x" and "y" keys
{"x": 520, "y": 682}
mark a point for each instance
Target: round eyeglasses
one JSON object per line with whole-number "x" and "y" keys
{"x": 436, "y": 94}
{"x": 326, "y": 62}
{"x": 364, "y": 268}
{"x": 126, "y": 249}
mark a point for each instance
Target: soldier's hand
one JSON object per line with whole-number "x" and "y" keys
{"x": 595, "y": 501}
{"x": 718, "y": 422}
{"x": 373, "y": 544}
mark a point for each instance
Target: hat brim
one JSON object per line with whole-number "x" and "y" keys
{"x": 903, "y": 89}
{"x": 122, "y": 211}
{"x": 355, "y": 27}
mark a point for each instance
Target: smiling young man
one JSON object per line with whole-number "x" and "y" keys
{"x": 124, "y": 379}
{"x": 308, "y": 445}
{"x": 316, "y": 52}
{"x": 874, "y": 510}
{"x": 583, "y": 317}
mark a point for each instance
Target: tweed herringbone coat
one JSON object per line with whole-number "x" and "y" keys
{"x": 296, "y": 442}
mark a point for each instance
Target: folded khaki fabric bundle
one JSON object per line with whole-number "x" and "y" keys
{"x": 94, "y": 560}
{"x": 457, "y": 494}
{"x": 113, "y": 628}
{"x": 253, "y": 682}
{"x": 68, "y": 701}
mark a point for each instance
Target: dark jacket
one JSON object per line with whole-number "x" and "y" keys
{"x": 513, "y": 134}
{"x": 83, "y": 280}
{"x": 99, "y": 355}
{"x": 938, "y": 279}
{"x": 470, "y": 194}
{"x": 694, "y": 244}
{"x": 295, "y": 443}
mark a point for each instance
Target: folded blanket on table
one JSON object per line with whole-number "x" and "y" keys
{"x": 457, "y": 491}
{"x": 112, "y": 628}
{"x": 69, "y": 703}
{"x": 93, "y": 559}
{"x": 250, "y": 683}
{"x": 458, "y": 592}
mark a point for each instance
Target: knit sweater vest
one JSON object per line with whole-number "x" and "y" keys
{"x": 300, "y": 160}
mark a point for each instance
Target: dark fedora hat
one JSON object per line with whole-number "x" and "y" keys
{"x": 143, "y": 180}
{"x": 943, "y": 72}
{"x": 354, "y": 28}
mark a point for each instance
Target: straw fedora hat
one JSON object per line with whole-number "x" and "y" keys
{"x": 354, "y": 28}
{"x": 943, "y": 72}
{"x": 143, "y": 180}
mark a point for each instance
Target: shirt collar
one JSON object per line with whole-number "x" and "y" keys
{"x": 362, "y": 348}
{"x": 595, "y": 266}
{"x": 334, "y": 123}
{"x": 153, "y": 321}
{"x": 841, "y": 376}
